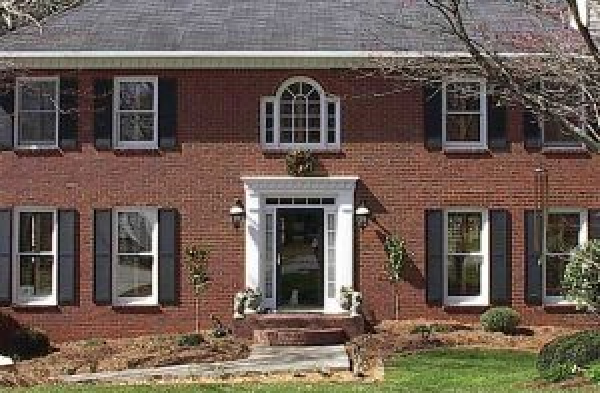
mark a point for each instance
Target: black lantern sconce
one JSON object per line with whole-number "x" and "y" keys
{"x": 237, "y": 213}
{"x": 362, "y": 215}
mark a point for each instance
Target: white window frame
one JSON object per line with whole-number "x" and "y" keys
{"x": 17, "y": 139}
{"x": 484, "y": 297}
{"x": 135, "y": 301}
{"x": 19, "y": 299}
{"x": 117, "y": 111}
{"x": 276, "y": 100}
{"x": 482, "y": 112}
{"x": 583, "y": 237}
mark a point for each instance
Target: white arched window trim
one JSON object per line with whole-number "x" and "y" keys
{"x": 330, "y": 123}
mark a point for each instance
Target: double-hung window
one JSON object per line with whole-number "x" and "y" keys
{"x": 301, "y": 115}
{"x": 136, "y": 112}
{"x": 464, "y": 113}
{"x": 564, "y": 230}
{"x": 37, "y": 112}
{"x": 135, "y": 265}
{"x": 35, "y": 257}
{"x": 466, "y": 257}
{"x": 554, "y": 134}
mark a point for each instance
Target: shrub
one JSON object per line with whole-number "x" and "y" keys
{"x": 500, "y": 319}
{"x": 190, "y": 340}
{"x": 558, "y": 373}
{"x": 426, "y": 331}
{"x": 28, "y": 343}
{"x": 593, "y": 372}
{"x": 573, "y": 351}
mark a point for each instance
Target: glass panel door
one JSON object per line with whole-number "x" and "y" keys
{"x": 300, "y": 258}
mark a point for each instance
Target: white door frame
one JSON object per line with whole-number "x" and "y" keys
{"x": 257, "y": 189}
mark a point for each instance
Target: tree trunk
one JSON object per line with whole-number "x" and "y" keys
{"x": 197, "y": 317}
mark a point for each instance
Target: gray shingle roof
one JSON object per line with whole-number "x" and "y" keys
{"x": 255, "y": 25}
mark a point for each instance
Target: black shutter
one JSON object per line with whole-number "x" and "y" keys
{"x": 533, "y": 268}
{"x": 67, "y": 257}
{"x": 103, "y": 256}
{"x": 496, "y": 123}
{"x": 435, "y": 256}
{"x": 103, "y": 113}
{"x": 433, "y": 116}
{"x": 167, "y": 253}
{"x": 167, "y": 113}
{"x": 594, "y": 225}
{"x": 531, "y": 130}
{"x": 5, "y": 256}
{"x": 69, "y": 112}
{"x": 500, "y": 257}
{"x": 7, "y": 112}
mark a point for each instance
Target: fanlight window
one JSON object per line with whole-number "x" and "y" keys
{"x": 300, "y": 115}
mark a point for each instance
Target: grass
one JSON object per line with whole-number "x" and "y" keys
{"x": 445, "y": 370}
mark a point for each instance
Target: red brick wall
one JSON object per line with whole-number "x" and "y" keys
{"x": 218, "y": 132}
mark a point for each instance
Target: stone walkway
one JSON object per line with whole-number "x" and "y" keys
{"x": 261, "y": 360}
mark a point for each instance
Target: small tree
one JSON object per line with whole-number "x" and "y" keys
{"x": 398, "y": 256}
{"x": 581, "y": 281}
{"x": 196, "y": 260}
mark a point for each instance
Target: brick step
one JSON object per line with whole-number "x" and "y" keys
{"x": 299, "y": 336}
{"x": 352, "y": 326}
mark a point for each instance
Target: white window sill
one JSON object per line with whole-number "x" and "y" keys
{"x": 312, "y": 149}
{"x": 135, "y": 303}
{"x": 580, "y": 149}
{"x": 555, "y": 301}
{"x": 37, "y": 147}
{"x": 466, "y": 149}
{"x": 136, "y": 147}
{"x": 35, "y": 303}
{"x": 462, "y": 302}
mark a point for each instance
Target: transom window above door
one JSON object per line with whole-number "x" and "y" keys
{"x": 300, "y": 115}
{"x": 136, "y": 112}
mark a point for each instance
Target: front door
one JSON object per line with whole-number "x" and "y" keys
{"x": 300, "y": 259}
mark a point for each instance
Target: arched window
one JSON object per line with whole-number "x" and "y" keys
{"x": 300, "y": 115}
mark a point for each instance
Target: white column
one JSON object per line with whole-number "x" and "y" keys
{"x": 254, "y": 239}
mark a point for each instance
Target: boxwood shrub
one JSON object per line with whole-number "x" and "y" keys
{"x": 500, "y": 319}
{"x": 569, "y": 352}
{"x": 28, "y": 343}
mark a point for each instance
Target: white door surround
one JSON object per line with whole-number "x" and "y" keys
{"x": 339, "y": 226}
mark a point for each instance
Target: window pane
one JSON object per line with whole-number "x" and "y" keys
{"x": 464, "y": 275}
{"x": 562, "y": 232}
{"x": 35, "y": 275}
{"x": 37, "y": 128}
{"x": 314, "y": 136}
{"x": 462, "y": 128}
{"x": 135, "y": 232}
{"x": 464, "y": 232}
{"x": 463, "y": 96}
{"x": 35, "y": 232}
{"x": 555, "y": 270}
{"x": 136, "y": 95}
{"x": 36, "y": 95}
{"x": 134, "y": 276}
{"x": 300, "y": 114}
{"x": 136, "y": 127}
{"x": 554, "y": 135}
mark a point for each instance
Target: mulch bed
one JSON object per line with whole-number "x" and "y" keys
{"x": 121, "y": 354}
{"x": 395, "y": 337}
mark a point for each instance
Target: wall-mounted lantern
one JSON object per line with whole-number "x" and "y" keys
{"x": 362, "y": 215}
{"x": 237, "y": 213}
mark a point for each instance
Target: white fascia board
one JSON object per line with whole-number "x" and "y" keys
{"x": 215, "y": 59}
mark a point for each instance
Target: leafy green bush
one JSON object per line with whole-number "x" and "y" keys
{"x": 593, "y": 372}
{"x": 574, "y": 351}
{"x": 558, "y": 373}
{"x": 28, "y": 343}
{"x": 190, "y": 340}
{"x": 580, "y": 282}
{"x": 500, "y": 319}
{"x": 426, "y": 331}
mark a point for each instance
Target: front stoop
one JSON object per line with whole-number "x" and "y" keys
{"x": 298, "y": 329}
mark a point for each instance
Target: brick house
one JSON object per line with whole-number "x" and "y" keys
{"x": 134, "y": 126}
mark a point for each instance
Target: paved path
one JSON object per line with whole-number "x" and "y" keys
{"x": 261, "y": 360}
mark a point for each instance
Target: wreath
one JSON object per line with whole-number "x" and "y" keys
{"x": 300, "y": 163}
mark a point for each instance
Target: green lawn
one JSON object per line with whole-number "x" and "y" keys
{"x": 446, "y": 370}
